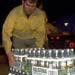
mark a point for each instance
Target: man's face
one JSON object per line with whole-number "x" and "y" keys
{"x": 28, "y": 6}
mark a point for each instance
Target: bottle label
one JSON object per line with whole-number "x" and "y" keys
{"x": 43, "y": 71}
{"x": 39, "y": 70}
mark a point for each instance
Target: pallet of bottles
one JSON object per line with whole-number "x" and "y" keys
{"x": 40, "y": 61}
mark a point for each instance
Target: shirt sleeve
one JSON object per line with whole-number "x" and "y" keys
{"x": 40, "y": 36}
{"x": 41, "y": 33}
{"x": 7, "y": 31}
{"x": 51, "y": 29}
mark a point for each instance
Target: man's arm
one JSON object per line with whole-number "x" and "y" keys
{"x": 52, "y": 29}
{"x": 6, "y": 36}
{"x": 41, "y": 35}
{"x": 7, "y": 31}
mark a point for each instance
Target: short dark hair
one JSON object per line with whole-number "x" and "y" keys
{"x": 32, "y": 1}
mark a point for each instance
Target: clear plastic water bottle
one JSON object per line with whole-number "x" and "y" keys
{"x": 13, "y": 50}
{"x": 34, "y": 53}
{"x": 51, "y": 65}
{"x": 42, "y": 63}
{"x": 56, "y": 52}
{"x": 16, "y": 51}
{"x": 24, "y": 73}
{"x": 69, "y": 67}
{"x": 19, "y": 72}
{"x": 12, "y": 71}
{"x": 39, "y": 63}
{"x": 46, "y": 64}
{"x": 50, "y": 53}
{"x": 57, "y": 65}
{"x": 39, "y": 51}
{"x": 54, "y": 65}
{"x": 47, "y": 53}
{"x": 26, "y": 51}
{"x": 43, "y": 53}
{"x": 30, "y": 52}
{"x": 16, "y": 59}
{"x": 63, "y": 64}
{"x": 68, "y": 52}
{"x": 22, "y": 52}
{"x": 33, "y": 62}
{"x": 72, "y": 52}
{"x": 53, "y": 53}
{"x": 23, "y": 67}
{"x": 16, "y": 72}
{"x": 62, "y": 52}
{"x": 65, "y": 53}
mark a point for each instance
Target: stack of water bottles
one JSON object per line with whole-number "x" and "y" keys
{"x": 61, "y": 60}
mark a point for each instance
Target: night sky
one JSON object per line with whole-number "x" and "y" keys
{"x": 58, "y": 8}
{"x": 54, "y": 8}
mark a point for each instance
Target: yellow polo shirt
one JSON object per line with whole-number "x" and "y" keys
{"x": 17, "y": 24}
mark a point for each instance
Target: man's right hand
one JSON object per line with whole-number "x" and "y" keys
{"x": 11, "y": 58}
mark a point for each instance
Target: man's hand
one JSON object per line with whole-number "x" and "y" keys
{"x": 11, "y": 58}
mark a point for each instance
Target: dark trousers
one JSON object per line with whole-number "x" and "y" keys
{"x": 23, "y": 43}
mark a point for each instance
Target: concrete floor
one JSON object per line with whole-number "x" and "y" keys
{"x": 4, "y": 69}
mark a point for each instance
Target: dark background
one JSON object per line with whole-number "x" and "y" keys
{"x": 54, "y": 9}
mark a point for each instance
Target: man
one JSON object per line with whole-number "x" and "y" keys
{"x": 25, "y": 24}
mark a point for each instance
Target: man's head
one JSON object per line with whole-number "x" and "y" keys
{"x": 29, "y": 6}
